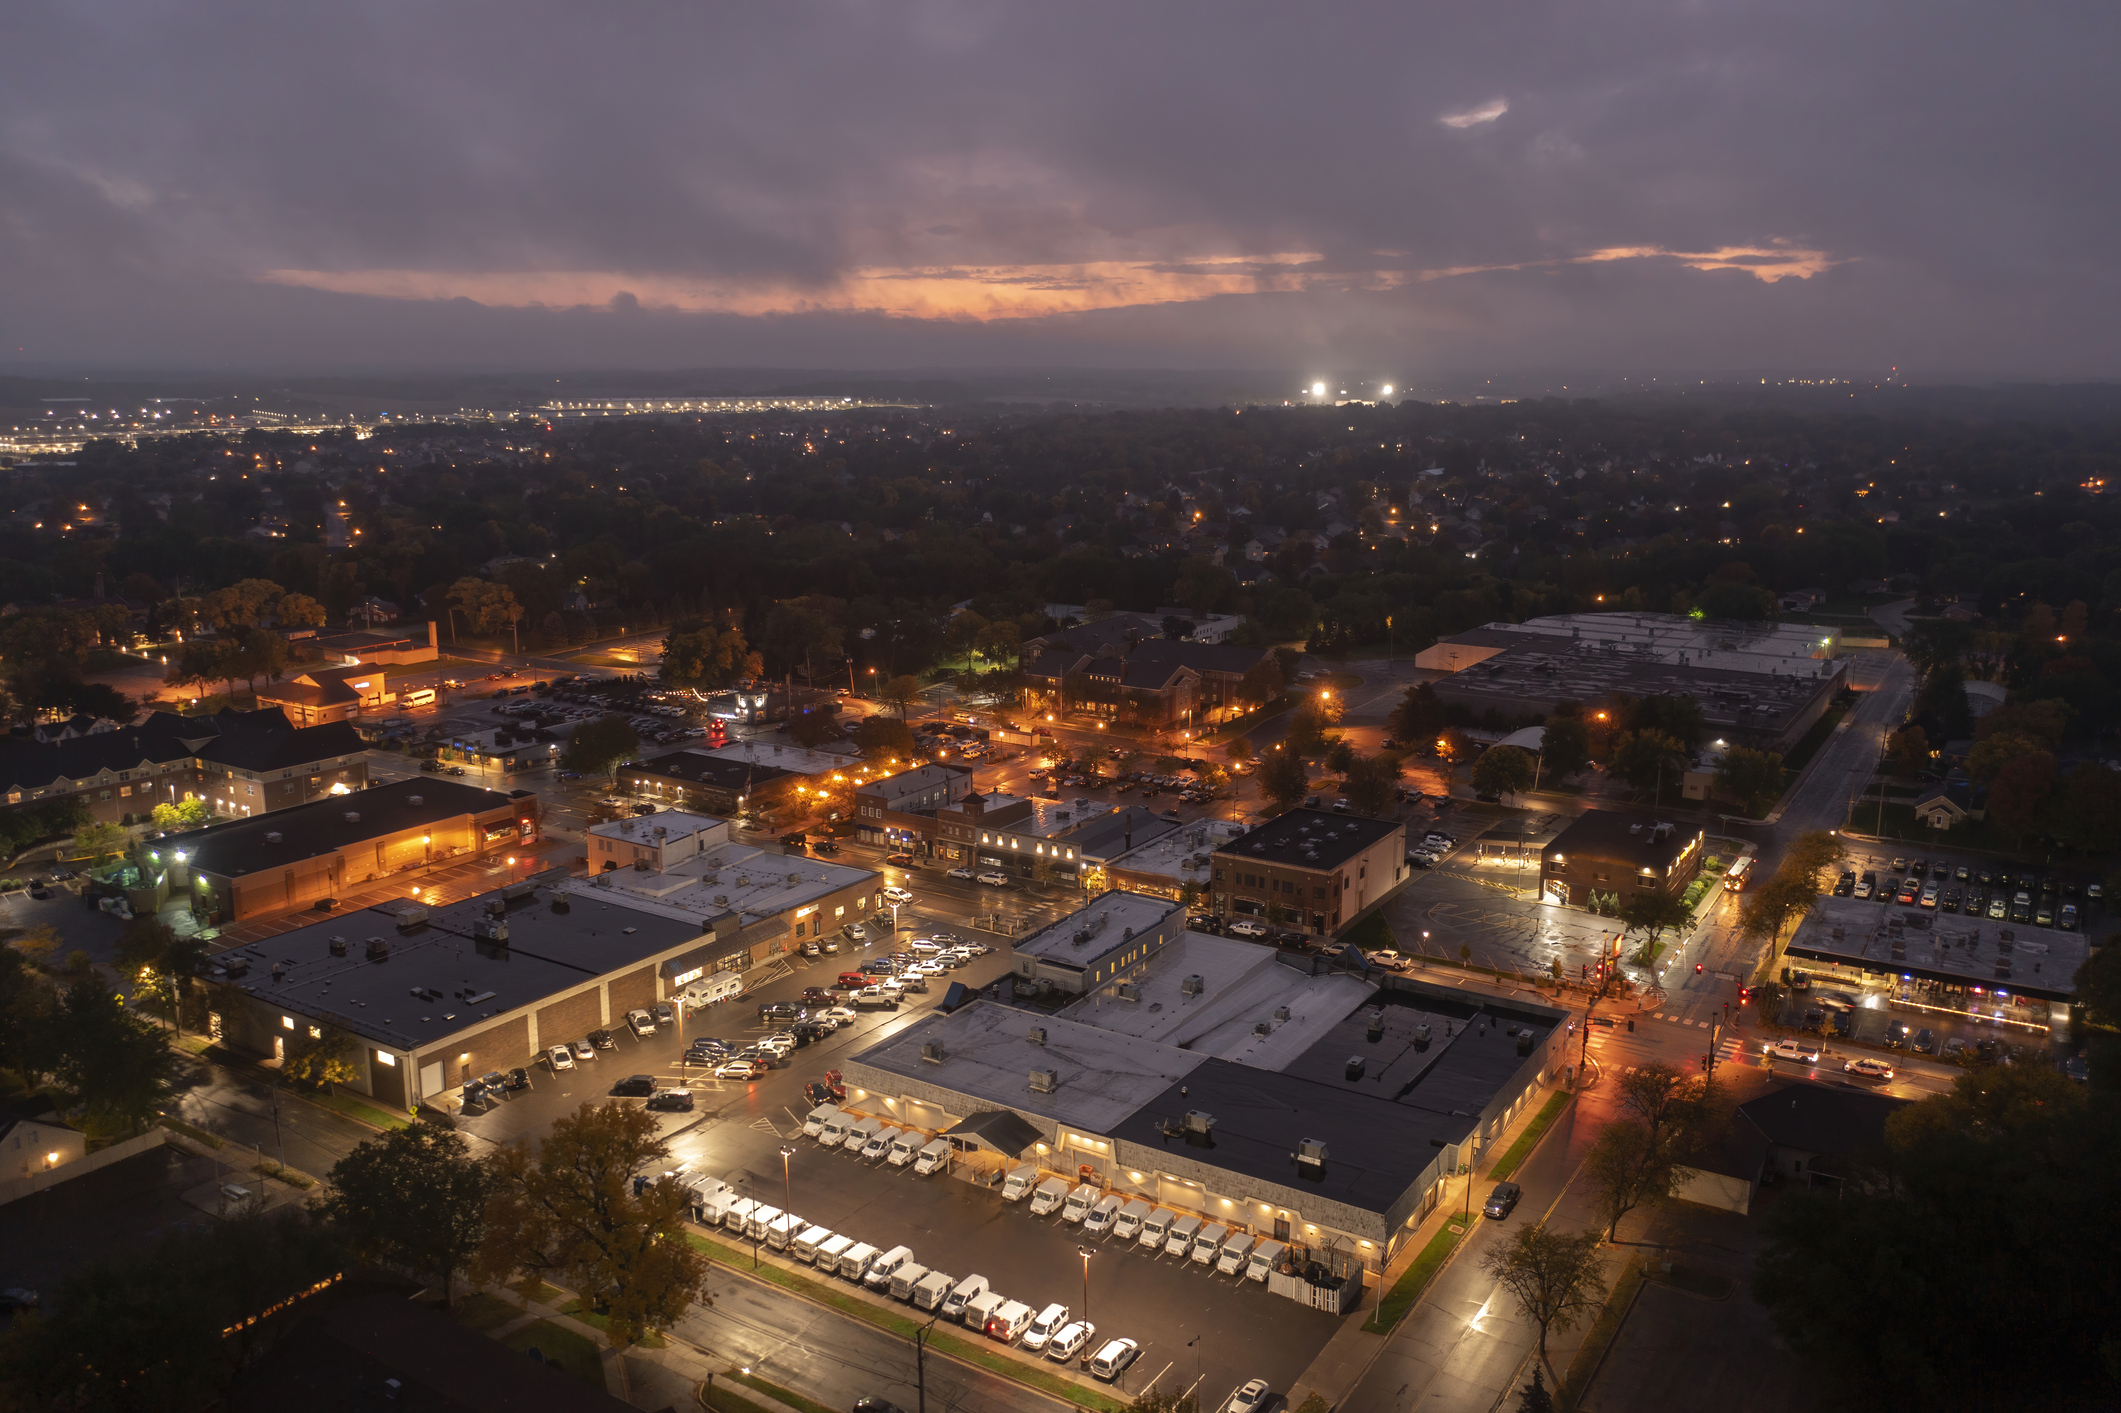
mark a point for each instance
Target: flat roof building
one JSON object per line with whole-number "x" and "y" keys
{"x": 1312, "y": 870}
{"x": 1619, "y": 855}
{"x": 771, "y": 902}
{"x": 711, "y": 784}
{"x": 1945, "y": 961}
{"x": 653, "y": 843}
{"x": 1103, "y": 940}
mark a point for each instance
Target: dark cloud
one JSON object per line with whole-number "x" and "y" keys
{"x": 1430, "y": 186}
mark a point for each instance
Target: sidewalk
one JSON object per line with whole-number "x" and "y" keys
{"x": 1347, "y": 1357}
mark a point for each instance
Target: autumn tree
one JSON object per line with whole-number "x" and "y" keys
{"x": 1282, "y": 777}
{"x": 699, "y": 653}
{"x": 568, "y": 1212}
{"x": 1770, "y": 907}
{"x": 414, "y": 1197}
{"x": 1752, "y": 778}
{"x": 900, "y": 692}
{"x": 322, "y": 1059}
{"x": 1667, "y": 1117}
{"x": 1503, "y": 770}
{"x": 1555, "y": 1278}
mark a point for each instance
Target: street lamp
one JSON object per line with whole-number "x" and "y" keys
{"x": 787, "y": 1190}
{"x": 1086, "y": 1253}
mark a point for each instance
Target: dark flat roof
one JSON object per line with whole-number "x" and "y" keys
{"x": 240, "y": 847}
{"x": 1606, "y": 834}
{"x": 702, "y": 768}
{"x": 1309, "y": 839}
{"x": 1105, "y": 834}
{"x": 999, "y": 1129}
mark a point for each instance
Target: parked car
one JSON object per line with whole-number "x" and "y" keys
{"x": 746, "y": 1070}
{"x": 518, "y": 1078}
{"x": 560, "y": 1057}
{"x": 603, "y": 1039}
{"x": 1069, "y": 1342}
{"x": 1867, "y": 1068}
{"x": 961, "y": 872}
{"x": 1245, "y": 927}
{"x": 634, "y": 1086}
{"x": 582, "y": 1051}
{"x": 1249, "y": 1399}
{"x": 895, "y": 894}
{"x": 678, "y": 1101}
{"x": 1502, "y": 1201}
{"x": 1112, "y": 1359}
{"x": 643, "y": 1023}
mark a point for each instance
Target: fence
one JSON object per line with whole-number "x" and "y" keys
{"x": 16, "y": 1188}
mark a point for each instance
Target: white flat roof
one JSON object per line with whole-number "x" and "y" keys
{"x": 800, "y": 759}
{"x": 1243, "y": 984}
{"x": 1171, "y": 856}
{"x": 641, "y": 829}
{"x": 1101, "y": 1076}
{"x": 1107, "y": 917}
{"x": 732, "y": 878}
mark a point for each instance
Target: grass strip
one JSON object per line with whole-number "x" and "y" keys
{"x": 269, "y": 1168}
{"x": 192, "y": 1131}
{"x": 788, "y": 1396}
{"x": 354, "y": 1109}
{"x": 480, "y": 1312}
{"x": 551, "y": 1296}
{"x": 724, "y": 1399}
{"x": 972, "y": 1352}
{"x": 1408, "y": 1288}
{"x": 576, "y": 1310}
{"x": 1603, "y": 1331}
{"x": 572, "y": 1353}
{"x": 1514, "y": 1155}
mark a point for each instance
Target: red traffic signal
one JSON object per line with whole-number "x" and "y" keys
{"x": 1697, "y": 968}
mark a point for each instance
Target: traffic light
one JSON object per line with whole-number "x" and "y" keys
{"x": 1745, "y": 994}
{"x": 1697, "y": 968}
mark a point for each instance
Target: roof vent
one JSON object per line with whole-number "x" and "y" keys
{"x": 1634, "y": 829}
{"x": 1044, "y": 1081}
{"x": 1281, "y": 1013}
{"x": 378, "y": 949}
{"x": 353, "y": 816}
{"x": 1311, "y": 1151}
{"x": 478, "y": 998}
{"x": 934, "y": 1052}
{"x": 1262, "y": 1028}
{"x": 1036, "y": 1035}
{"x": 272, "y": 836}
{"x": 1193, "y": 985}
{"x": 338, "y": 946}
{"x": 415, "y": 799}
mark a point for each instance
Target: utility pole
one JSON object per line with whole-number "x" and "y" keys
{"x": 920, "y": 1358}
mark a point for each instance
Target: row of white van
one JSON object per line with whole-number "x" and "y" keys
{"x": 1136, "y": 1219}
{"x": 873, "y": 1139}
{"x": 1050, "y": 1331}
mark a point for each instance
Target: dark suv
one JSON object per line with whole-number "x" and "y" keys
{"x": 1502, "y": 1200}
{"x": 635, "y": 1086}
{"x": 782, "y": 1011}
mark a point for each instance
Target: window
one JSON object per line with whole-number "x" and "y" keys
{"x": 387, "y": 1058}
{"x": 287, "y": 1022}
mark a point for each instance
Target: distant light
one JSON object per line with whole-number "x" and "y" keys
{"x": 1318, "y": 389}
{"x": 1387, "y": 390}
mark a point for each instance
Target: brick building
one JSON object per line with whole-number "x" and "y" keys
{"x": 1626, "y": 856}
{"x": 1310, "y": 870}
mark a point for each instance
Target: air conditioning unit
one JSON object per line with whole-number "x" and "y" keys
{"x": 1044, "y": 1081}
{"x": 934, "y": 1052}
{"x": 1129, "y": 991}
{"x": 1311, "y": 1151}
{"x": 272, "y": 836}
{"x": 1036, "y": 1035}
{"x": 353, "y": 816}
{"x": 1193, "y": 985}
{"x": 1281, "y": 1013}
{"x": 338, "y": 946}
{"x": 415, "y": 799}
{"x": 378, "y": 950}
{"x": 1262, "y": 1028}
{"x": 1199, "y": 1121}
{"x": 409, "y": 918}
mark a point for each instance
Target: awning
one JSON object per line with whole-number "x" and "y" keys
{"x": 1006, "y": 1133}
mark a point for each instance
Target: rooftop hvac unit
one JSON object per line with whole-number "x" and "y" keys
{"x": 353, "y": 816}
{"x": 721, "y": 900}
{"x": 1199, "y": 1121}
{"x": 1311, "y": 1151}
{"x": 1421, "y": 1037}
{"x": 415, "y": 799}
{"x": 1036, "y": 1035}
{"x": 409, "y": 918}
{"x": 1044, "y": 1081}
{"x": 1281, "y": 1013}
{"x": 272, "y": 836}
{"x": 934, "y": 1052}
{"x": 378, "y": 950}
{"x": 1193, "y": 985}
{"x": 1356, "y": 1064}
{"x": 338, "y": 946}
{"x": 1129, "y": 991}
{"x": 1262, "y": 1028}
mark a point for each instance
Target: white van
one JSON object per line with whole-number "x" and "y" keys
{"x": 909, "y": 1142}
{"x": 1264, "y": 1258}
{"x": 1020, "y": 1181}
{"x": 1009, "y": 1321}
{"x": 1045, "y": 1326}
{"x": 1231, "y": 1260}
{"x": 736, "y": 1216}
{"x": 854, "y": 1261}
{"x": 933, "y": 1158}
{"x": 836, "y": 1129}
{"x": 859, "y": 1133}
{"x": 1127, "y": 1225}
{"x": 806, "y": 1245}
{"x": 710, "y": 1201}
{"x": 814, "y": 1122}
{"x": 1155, "y": 1227}
{"x": 879, "y": 1143}
{"x": 761, "y": 1221}
{"x": 1098, "y": 1220}
{"x": 829, "y": 1252}
{"x": 1180, "y": 1241}
{"x": 905, "y": 1278}
{"x": 782, "y": 1231}
{"x": 980, "y": 1309}
{"x": 931, "y": 1290}
{"x": 1078, "y": 1204}
{"x": 1209, "y": 1242}
{"x": 962, "y": 1294}
{"x": 884, "y": 1267}
{"x": 1050, "y": 1194}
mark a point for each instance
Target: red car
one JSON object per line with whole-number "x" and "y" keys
{"x": 816, "y": 996}
{"x": 854, "y": 980}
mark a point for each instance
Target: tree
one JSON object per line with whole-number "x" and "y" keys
{"x": 881, "y": 738}
{"x": 1770, "y": 906}
{"x": 487, "y": 607}
{"x": 1667, "y": 1116}
{"x": 1675, "y": 714}
{"x": 1239, "y": 749}
{"x": 1909, "y": 750}
{"x": 180, "y": 814}
{"x": 2018, "y": 790}
{"x": 599, "y": 747}
{"x": 1565, "y": 746}
{"x": 1649, "y": 758}
{"x": 28, "y": 1035}
{"x": 1534, "y": 1397}
{"x": 323, "y": 1059}
{"x": 963, "y": 631}
{"x": 298, "y": 611}
{"x": 813, "y": 726}
{"x": 244, "y": 604}
{"x": 800, "y": 630}
{"x": 900, "y": 692}
{"x": 1419, "y": 715}
{"x": 1452, "y": 746}
{"x": 697, "y": 653}
{"x": 1653, "y": 915}
{"x": 1262, "y": 681}
{"x": 1997, "y": 750}
{"x": 1556, "y": 1279}
{"x": 1340, "y": 755}
{"x": 1752, "y": 778}
{"x": 569, "y": 1212}
{"x": 1503, "y": 770}
{"x": 111, "y": 1064}
{"x": 1370, "y": 783}
{"x": 415, "y": 1197}
{"x": 99, "y": 841}
{"x": 1282, "y": 777}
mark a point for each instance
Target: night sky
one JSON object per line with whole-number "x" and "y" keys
{"x": 1786, "y": 187}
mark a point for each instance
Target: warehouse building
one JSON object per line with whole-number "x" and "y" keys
{"x": 1222, "y": 1079}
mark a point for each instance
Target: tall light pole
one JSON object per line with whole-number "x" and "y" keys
{"x": 1086, "y": 1253}
{"x": 920, "y": 1358}
{"x": 787, "y": 1188}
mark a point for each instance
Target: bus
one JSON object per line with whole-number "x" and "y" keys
{"x": 1734, "y": 877}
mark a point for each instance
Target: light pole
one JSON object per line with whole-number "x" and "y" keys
{"x": 787, "y": 1187}
{"x": 920, "y": 1358}
{"x": 1086, "y": 1253}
